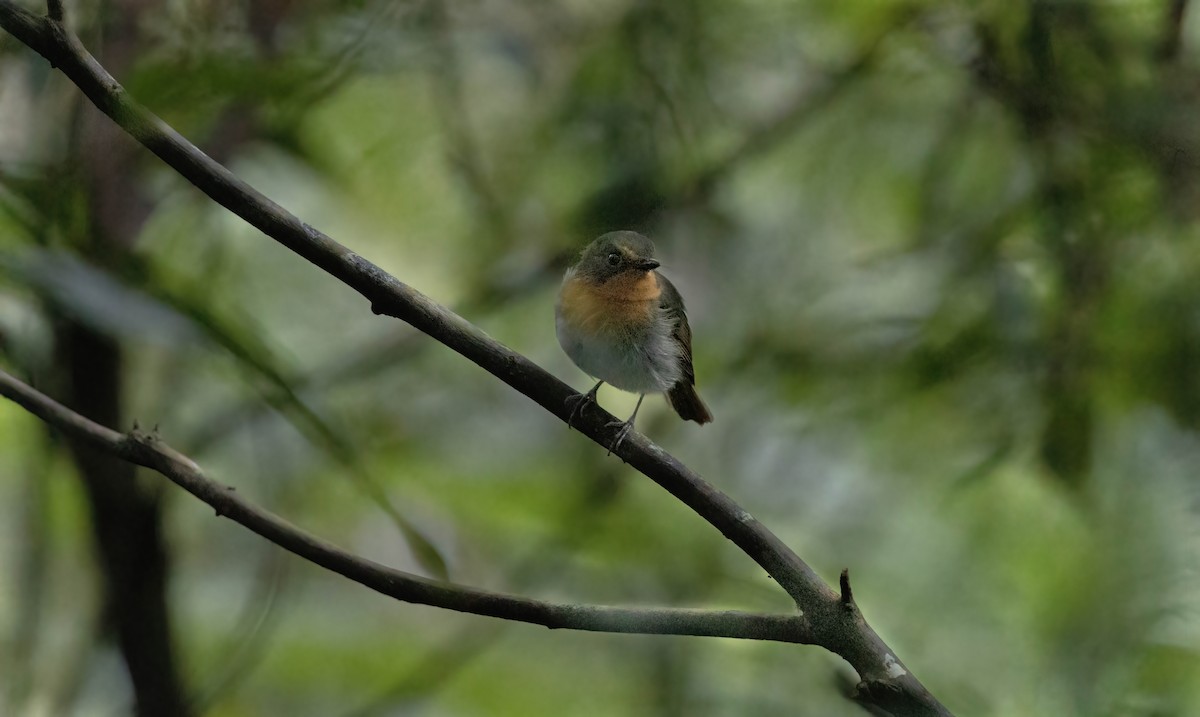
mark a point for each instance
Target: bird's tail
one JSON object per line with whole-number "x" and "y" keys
{"x": 686, "y": 402}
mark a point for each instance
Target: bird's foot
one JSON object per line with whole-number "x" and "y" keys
{"x": 578, "y": 402}
{"x": 622, "y": 434}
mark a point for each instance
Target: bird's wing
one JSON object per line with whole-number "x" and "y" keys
{"x": 672, "y": 303}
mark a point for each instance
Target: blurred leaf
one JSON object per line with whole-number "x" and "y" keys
{"x": 97, "y": 299}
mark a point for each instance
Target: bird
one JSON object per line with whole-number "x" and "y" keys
{"x": 623, "y": 323}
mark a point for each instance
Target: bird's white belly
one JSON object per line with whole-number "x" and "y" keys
{"x": 644, "y": 363}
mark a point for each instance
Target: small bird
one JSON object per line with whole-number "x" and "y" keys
{"x": 623, "y": 323}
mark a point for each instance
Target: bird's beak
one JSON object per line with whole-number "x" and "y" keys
{"x": 646, "y": 264}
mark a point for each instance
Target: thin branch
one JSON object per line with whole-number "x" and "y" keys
{"x": 847, "y": 635}
{"x": 147, "y": 450}
{"x": 54, "y": 9}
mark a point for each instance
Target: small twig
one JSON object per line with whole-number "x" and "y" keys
{"x": 148, "y": 450}
{"x": 847, "y": 593}
{"x": 54, "y": 10}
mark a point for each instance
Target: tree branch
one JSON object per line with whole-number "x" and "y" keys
{"x": 846, "y": 634}
{"x": 146, "y": 449}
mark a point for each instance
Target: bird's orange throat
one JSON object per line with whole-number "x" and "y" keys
{"x": 624, "y": 302}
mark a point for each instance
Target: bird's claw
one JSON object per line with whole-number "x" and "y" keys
{"x": 578, "y": 402}
{"x": 626, "y": 427}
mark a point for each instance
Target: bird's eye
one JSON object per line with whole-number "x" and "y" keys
{"x": 614, "y": 259}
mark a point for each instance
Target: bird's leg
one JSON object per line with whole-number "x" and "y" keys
{"x": 626, "y": 427}
{"x": 578, "y": 402}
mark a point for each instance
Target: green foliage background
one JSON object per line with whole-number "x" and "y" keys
{"x": 943, "y": 268}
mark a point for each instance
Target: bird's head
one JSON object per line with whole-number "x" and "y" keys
{"x": 615, "y": 254}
